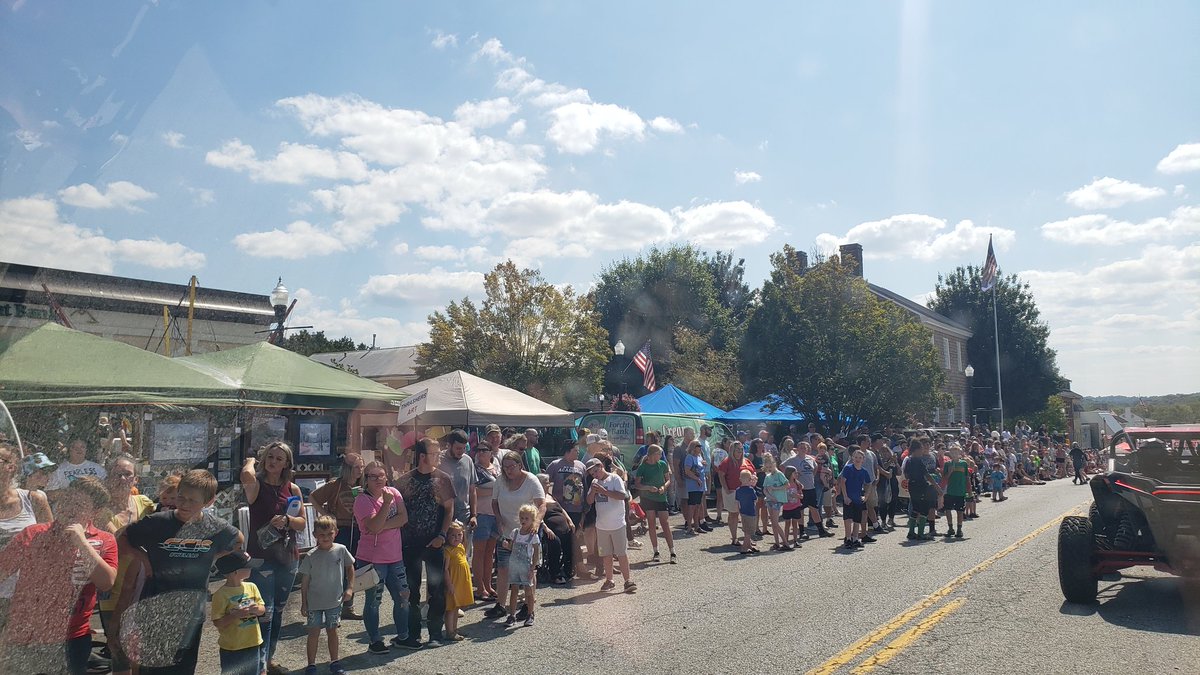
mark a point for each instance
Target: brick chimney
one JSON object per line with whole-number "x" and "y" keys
{"x": 852, "y": 260}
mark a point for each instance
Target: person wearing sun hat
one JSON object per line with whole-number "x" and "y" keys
{"x": 36, "y": 470}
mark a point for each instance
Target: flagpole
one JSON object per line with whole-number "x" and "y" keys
{"x": 996, "y": 330}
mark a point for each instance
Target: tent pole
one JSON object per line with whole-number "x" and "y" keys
{"x": 166, "y": 331}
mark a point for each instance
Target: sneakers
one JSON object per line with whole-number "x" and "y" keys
{"x": 630, "y": 587}
{"x": 528, "y": 621}
{"x": 607, "y": 586}
{"x": 378, "y": 647}
{"x": 495, "y": 612}
{"x": 510, "y": 621}
{"x": 522, "y": 612}
{"x": 868, "y": 538}
{"x": 674, "y": 558}
{"x": 335, "y": 668}
{"x": 830, "y": 524}
{"x": 705, "y": 528}
{"x": 655, "y": 557}
{"x": 825, "y": 533}
{"x": 912, "y": 535}
{"x": 311, "y": 669}
{"x": 410, "y": 644}
{"x": 636, "y": 543}
{"x": 958, "y": 534}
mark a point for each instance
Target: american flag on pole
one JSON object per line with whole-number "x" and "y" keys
{"x": 988, "y": 278}
{"x": 645, "y": 364}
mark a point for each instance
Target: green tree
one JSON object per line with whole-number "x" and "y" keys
{"x": 305, "y": 343}
{"x": 657, "y": 295}
{"x": 527, "y": 334}
{"x": 703, "y": 371}
{"x": 1027, "y": 364}
{"x": 1052, "y": 415}
{"x": 826, "y": 345}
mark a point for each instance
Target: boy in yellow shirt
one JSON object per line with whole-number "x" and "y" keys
{"x": 236, "y": 607}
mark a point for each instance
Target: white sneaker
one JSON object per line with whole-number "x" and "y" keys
{"x": 636, "y": 543}
{"x": 461, "y": 614}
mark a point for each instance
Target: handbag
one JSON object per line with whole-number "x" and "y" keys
{"x": 276, "y": 545}
{"x": 365, "y": 578}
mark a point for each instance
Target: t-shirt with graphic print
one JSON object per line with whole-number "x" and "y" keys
{"x": 566, "y": 484}
{"x": 181, "y": 554}
{"x": 245, "y": 633}
{"x": 424, "y": 494}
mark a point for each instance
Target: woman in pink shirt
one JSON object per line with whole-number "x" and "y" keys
{"x": 379, "y": 511}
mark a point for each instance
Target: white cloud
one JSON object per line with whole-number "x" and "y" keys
{"x": 400, "y": 249}
{"x": 119, "y": 138}
{"x": 1183, "y": 158}
{"x": 919, "y": 237}
{"x": 293, "y": 164}
{"x": 32, "y": 140}
{"x": 35, "y": 234}
{"x": 157, "y": 253}
{"x": 438, "y": 252}
{"x": 484, "y": 114}
{"x": 666, "y": 125}
{"x": 202, "y": 196}
{"x": 428, "y": 288}
{"x": 517, "y": 129}
{"x": 1107, "y": 193}
{"x": 443, "y": 40}
{"x": 743, "y": 177}
{"x": 118, "y": 195}
{"x": 300, "y": 239}
{"x": 1180, "y": 191}
{"x": 1101, "y": 229}
{"x": 720, "y": 223}
{"x": 345, "y": 319}
{"x": 173, "y": 139}
{"x": 1135, "y": 316}
{"x": 576, "y": 127}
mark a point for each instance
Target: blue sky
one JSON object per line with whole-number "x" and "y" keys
{"x": 382, "y": 156}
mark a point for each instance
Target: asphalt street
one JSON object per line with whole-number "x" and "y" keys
{"x": 988, "y": 603}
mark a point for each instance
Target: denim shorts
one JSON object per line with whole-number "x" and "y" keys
{"x": 485, "y": 528}
{"x": 324, "y": 618}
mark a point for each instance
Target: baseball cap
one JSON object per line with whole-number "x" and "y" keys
{"x": 603, "y": 433}
{"x": 592, "y": 463}
{"x": 36, "y": 462}
{"x": 490, "y": 428}
{"x": 235, "y": 561}
{"x": 593, "y": 438}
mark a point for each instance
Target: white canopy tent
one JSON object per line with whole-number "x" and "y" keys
{"x": 462, "y": 399}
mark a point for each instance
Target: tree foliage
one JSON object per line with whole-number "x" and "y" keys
{"x": 1028, "y": 365}
{"x": 691, "y": 307}
{"x": 306, "y": 344}
{"x": 827, "y": 346}
{"x": 1052, "y": 415}
{"x": 527, "y": 334}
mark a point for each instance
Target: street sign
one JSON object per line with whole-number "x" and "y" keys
{"x": 412, "y": 406}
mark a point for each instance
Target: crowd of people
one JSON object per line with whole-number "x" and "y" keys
{"x": 466, "y": 523}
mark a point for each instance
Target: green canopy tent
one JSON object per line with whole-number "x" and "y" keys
{"x": 270, "y": 375}
{"x": 53, "y": 364}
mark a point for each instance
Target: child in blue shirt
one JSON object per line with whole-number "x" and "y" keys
{"x": 748, "y": 510}
{"x": 998, "y": 475}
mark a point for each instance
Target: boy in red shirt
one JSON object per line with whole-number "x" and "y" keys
{"x": 61, "y": 565}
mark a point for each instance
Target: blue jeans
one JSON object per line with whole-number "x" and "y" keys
{"x": 391, "y": 576}
{"x": 242, "y": 661}
{"x": 274, "y": 582}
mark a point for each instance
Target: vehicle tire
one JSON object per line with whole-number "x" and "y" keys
{"x": 1100, "y": 530}
{"x": 1075, "y": 575}
{"x": 1126, "y": 536}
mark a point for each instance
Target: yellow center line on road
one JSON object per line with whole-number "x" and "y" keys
{"x": 908, "y": 637}
{"x": 855, "y": 650}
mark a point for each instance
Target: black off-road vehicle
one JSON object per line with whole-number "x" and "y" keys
{"x": 1146, "y": 512}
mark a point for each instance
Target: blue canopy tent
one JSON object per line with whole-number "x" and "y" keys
{"x": 673, "y": 400}
{"x": 760, "y": 411}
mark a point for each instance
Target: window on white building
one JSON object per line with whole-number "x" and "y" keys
{"x": 946, "y": 351}
{"x": 960, "y": 363}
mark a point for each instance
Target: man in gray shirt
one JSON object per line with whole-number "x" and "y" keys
{"x": 461, "y": 469}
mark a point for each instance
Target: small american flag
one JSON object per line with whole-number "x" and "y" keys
{"x": 988, "y": 277}
{"x": 645, "y": 364}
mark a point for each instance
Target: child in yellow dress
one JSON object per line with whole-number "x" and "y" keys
{"x": 458, "y": 579}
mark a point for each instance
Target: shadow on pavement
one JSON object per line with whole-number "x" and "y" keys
{"x": 1155, "y": 604}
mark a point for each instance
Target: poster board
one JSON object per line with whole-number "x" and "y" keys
{"x": 179, "y": 441}
{"x": 314, "y": 438}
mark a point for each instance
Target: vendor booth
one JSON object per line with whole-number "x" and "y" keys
{"x": 673, "y": 400}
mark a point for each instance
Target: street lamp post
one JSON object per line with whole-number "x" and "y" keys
{"x": 969, "y": 371}
{"x": 279, "y": 303}
{"x": 619, "y": 350}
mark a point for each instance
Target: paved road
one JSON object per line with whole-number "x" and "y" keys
{"x": 987, "y": 603}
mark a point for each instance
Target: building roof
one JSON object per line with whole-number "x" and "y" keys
{"x": 925, "y": 314}
{"x": 84, "y": 290}
{"x": 375, "y": 363}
